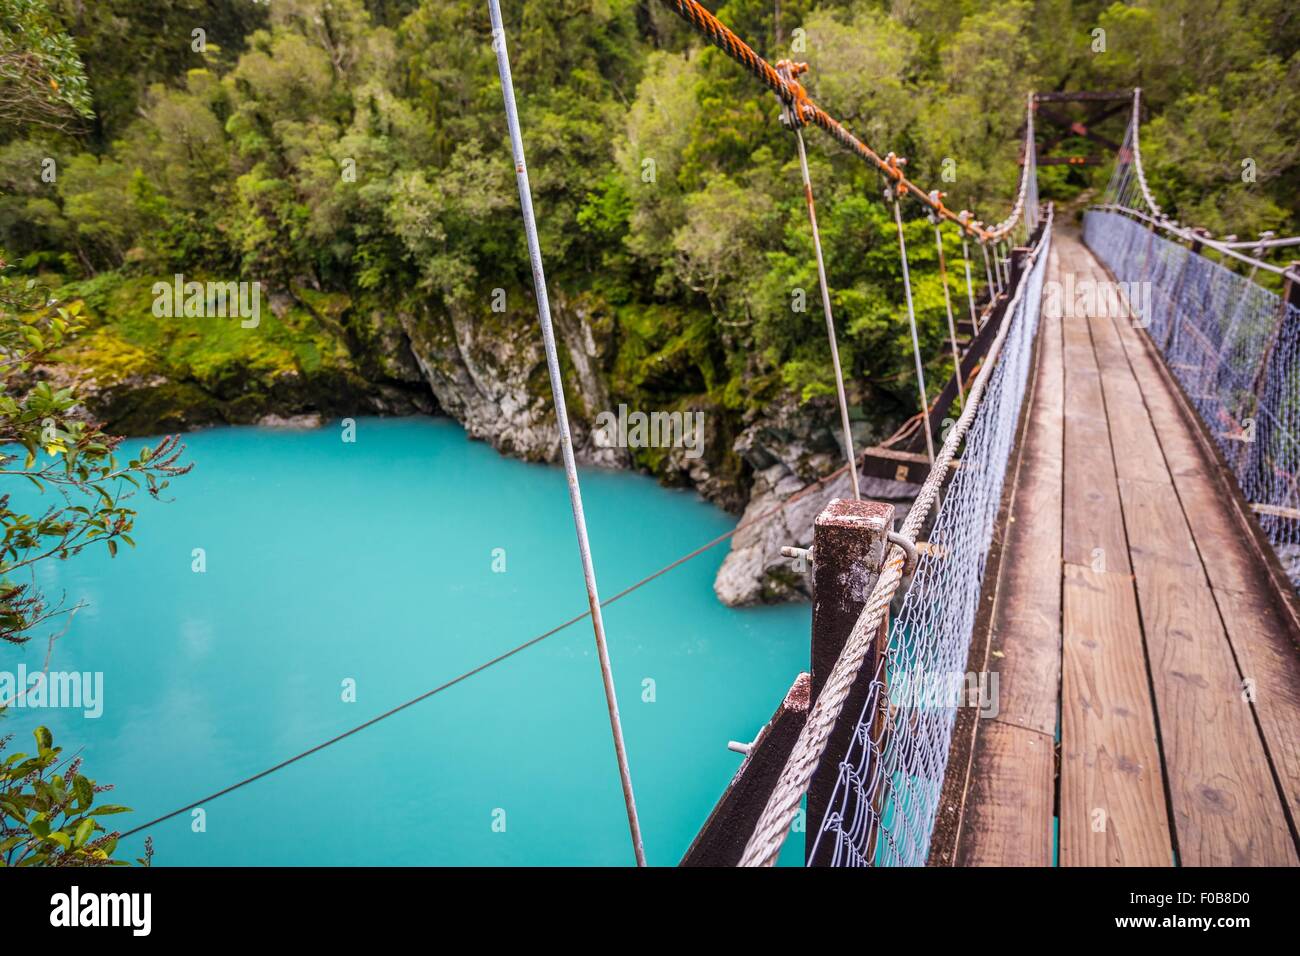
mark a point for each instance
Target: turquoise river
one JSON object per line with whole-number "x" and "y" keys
{"x": 375, "y": 565}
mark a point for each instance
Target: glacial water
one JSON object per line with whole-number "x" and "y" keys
{"x": 372, "y": 562}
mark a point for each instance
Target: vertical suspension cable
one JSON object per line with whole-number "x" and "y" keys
{"x": 562, "y": 420}
{"x": 830, "y": 321}
{"x": 796, "y": 123}
{"x": 970, "y": 286}
{"x": 911, "y": 321}
{"x": 947, "y": 304}
{"x": 994, "y": 288}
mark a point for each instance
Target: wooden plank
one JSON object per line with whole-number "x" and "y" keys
{"x": 1157, "y": 529}
{"x": 1079, "y": 356}
{"x": 1190, "y": 452}
{"x": 1026, "y": 628}
{"x": 1216, "y": 533}
{"x": 721, "y": 840}
{"x": 1133, "y": 439}
{"x": 1003, "y": 822}
{"x": 1008, "y": 820}
{"x": 1105, "y": 340}
{"x": 1182, "y": 454}
{"x": 1093, "y": 522}
{"x": 1027, "y": 625}
{"x": 1227, "y": 811}
{"x": 1220, "y": 541}
{"x": 1134, "y": 444}
{"x": 1112, "y": 796}
{"x": 1270, "y": 668}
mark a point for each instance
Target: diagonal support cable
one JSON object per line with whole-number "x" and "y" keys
{"x": 562, "y": 420}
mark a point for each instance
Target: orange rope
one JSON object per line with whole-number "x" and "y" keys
{"x": 806, "y": 112}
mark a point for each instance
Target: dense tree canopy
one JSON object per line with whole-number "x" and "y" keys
{"x": 358, "y": 146}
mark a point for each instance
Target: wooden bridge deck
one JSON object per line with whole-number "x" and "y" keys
{"x": 1149, "y": 686}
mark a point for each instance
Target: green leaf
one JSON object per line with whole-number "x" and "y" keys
{"x": 44, "y": 739}
{"x": 84, "y": 830}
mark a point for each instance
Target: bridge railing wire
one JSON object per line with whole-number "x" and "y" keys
{"x": 1235, "y": 349}
{"x": 887, "y": 794}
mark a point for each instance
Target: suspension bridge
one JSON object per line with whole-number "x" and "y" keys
{"x": 1103, "y": 549}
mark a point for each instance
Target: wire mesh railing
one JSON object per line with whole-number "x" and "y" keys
{"x": 1235, "y": 349}
{"x": 886, "y": 796}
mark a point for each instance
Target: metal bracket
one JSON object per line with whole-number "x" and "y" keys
{"x": 802, "y": 557}
{"x": 909, "y": 548}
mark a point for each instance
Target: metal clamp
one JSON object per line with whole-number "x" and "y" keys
{"x": 909, "y": 548}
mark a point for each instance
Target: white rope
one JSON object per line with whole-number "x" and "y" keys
{"x": 1137, "y": 156}
{"x": 1260, "y": 244}
{"x": 773, "y": 825}
{"x": 562, "y": 420}
{"x": 1187, "y": 235}
{"x": 1028, "y": 172}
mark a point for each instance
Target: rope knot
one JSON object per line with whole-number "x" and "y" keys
{"x": 799, "y": 107}
{"x": 937, "y": 208}
{"x": 894, "y": 166}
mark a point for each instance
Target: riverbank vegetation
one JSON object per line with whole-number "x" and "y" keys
{"x": 355, "y": 149}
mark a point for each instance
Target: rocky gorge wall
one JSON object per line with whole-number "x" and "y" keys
{"x": 316, "y": 356}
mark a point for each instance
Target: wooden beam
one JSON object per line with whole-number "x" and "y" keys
{"x": 1112, "y": 793}
{"x": 721, "y": 841}
{"x": 1070, "y": 161}
{"x": 1082, "y": 96}
{"x": 1077, "y": 127}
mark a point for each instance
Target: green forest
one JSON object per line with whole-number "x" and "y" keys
{"x": 351, "y": 159}
{"x": 351, "y": 155}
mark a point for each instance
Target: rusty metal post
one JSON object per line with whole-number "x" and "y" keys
{"x": 849, "y": 539}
